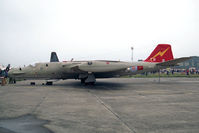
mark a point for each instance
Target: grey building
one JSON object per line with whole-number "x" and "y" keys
{"x": 193, "y": 62}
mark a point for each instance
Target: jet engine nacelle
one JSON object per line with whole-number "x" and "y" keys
{"x": 103, "y": 66}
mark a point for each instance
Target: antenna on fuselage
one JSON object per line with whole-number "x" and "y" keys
{"x": 158, "y": 74}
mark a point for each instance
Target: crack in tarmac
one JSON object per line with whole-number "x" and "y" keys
{"x": 28, "y": 123}
{"x": 39, "y": 104}
{"x": 111, "y": 111}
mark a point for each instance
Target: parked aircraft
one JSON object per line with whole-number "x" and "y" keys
{"x": 88, "y": 71}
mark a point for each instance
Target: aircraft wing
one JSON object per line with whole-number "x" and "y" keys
{"x": 18, "y": 73}
{"x": 76, "y": 69}
{"x": 173, "y": 62}
{"x": 100, "y": 66}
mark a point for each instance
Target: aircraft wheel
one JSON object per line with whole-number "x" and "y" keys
{"x": 49, "y": 83}
{"x": 90, "y": 83}
{"x": 83, "y": 81}
{"x": 32, "y": 83}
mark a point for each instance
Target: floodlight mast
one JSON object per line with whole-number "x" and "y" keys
{"x": 132, "y": 54}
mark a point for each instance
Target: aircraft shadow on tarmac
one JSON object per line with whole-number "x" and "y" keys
{"x": 98, "y": 86}
{"x": 102, "y": 85}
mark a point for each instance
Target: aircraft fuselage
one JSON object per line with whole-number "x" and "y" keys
{"x": 72, "y": 70}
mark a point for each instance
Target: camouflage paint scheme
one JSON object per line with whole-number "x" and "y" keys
{"x": 71, "y": 70}
{"x": 88, "y": 71}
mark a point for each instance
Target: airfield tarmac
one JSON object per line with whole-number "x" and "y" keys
{"x": 117, "y": 105}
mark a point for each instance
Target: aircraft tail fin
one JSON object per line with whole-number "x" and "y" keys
{"x": 53, "y": 57}
{"x": 161, "y": 53}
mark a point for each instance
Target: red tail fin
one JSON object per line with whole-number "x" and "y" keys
{"x": 161, "y": 53}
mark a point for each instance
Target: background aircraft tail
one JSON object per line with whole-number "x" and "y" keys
{"x": 53, "y": 57}
{"x": 161, "y": 53}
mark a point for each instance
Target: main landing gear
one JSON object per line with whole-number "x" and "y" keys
{"x": 87, "y": 79}
{"x": 49, "y": 83}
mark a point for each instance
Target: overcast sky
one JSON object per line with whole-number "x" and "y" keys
{"x": 95, "y": 29}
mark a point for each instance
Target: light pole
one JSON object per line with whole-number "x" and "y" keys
{"x": 132, "y": 54}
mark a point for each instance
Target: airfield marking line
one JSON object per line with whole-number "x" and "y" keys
{"x": 112, "y": 112}
{"x": 39, "y": 104}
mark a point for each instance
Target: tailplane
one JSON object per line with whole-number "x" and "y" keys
{"x": 161, "y": 53}
{"x": 53, "y": 57}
